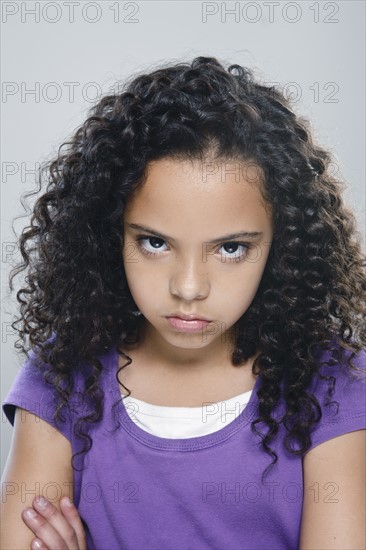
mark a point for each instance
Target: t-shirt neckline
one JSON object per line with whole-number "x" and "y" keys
{"x": 186, "y": 444}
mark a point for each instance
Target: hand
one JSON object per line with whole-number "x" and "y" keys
{"x": 55, "y": 530}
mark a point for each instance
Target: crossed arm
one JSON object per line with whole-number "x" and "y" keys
{"x": 337, "y": 523}
{"x": 39, "y": 453}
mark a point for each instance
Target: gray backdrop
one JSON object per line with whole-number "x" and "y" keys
{"x": 58, "y": 57}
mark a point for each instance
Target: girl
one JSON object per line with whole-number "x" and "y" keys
{"x": 195, "y": 305}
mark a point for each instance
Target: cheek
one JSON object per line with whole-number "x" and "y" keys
{"x": 239, "y": 289}
{"x": 142, "y": 281}
{"x": 235, "y": 296}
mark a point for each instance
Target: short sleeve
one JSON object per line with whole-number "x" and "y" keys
{"x": 31, "y": 392}
{"x": 346, "y": 410}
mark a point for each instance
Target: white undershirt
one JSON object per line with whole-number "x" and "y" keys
{"x": 185, "y": 422}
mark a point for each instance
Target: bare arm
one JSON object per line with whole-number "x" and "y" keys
{"x": 39, "y": 462}
{"x": 334, "y": 494}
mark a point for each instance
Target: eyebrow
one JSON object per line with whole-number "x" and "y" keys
{"x": 240, "y": 234}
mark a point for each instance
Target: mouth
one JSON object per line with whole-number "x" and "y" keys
{"x": 192, "y": 317}
{"x": 188, "y": 323}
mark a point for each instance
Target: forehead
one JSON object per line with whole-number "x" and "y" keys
{"x": 193, "y": 191}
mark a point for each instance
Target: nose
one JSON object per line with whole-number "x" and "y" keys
{"x": 190, "y": 280}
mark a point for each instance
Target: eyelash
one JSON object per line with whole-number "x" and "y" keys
{"x": 236, "y": 258}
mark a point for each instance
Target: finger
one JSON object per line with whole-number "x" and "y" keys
{"x": 43, "y": 530}
{"x": 72, "y": 515}
{"x": 58, "y": 521}
{"x": 50, "y": 525}
{"x": 38, "y": 544}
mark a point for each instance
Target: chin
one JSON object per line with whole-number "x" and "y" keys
{"x": 187, "y": 340}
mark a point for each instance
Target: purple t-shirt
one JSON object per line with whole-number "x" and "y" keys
{"x": 142, "y": 492}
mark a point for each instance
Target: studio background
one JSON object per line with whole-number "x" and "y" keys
{"x": 59, "y": 57}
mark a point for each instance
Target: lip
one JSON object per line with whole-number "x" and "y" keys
{"x": 192, "y": 317}
{"x": 188, "y": 325}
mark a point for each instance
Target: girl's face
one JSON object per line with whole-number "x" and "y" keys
{"x": 182, "y": 255}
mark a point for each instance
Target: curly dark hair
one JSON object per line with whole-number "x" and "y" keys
{"x": 312, "y": 292}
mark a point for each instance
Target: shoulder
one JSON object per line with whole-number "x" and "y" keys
{"x": 32, "y": 392}
{"x": 341, "y": 395}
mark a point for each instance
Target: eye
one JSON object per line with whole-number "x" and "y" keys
{"x": 236, "y": 251}
{"x": 152, "y": 246}
{"x": 154, "y": 243}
